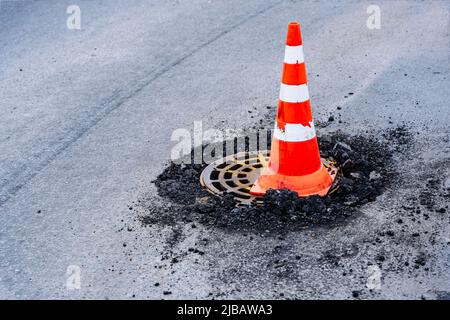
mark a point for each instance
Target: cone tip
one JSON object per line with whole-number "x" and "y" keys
{"x": 293, "y": 36}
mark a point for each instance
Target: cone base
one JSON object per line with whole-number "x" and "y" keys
{"x": 316, "y": 183}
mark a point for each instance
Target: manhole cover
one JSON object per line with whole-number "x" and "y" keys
{"x": 237, "y": 173}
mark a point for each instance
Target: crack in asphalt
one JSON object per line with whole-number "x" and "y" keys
{"x": 110, "y": 107}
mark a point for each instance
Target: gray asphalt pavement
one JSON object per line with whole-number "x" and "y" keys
{"x": 86, "y": 123}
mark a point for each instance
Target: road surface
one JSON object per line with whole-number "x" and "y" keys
{"x": 86, "y": 124}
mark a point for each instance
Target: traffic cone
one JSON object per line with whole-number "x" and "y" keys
{"x": 295, "y": 161}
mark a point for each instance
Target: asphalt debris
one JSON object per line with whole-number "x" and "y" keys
{"x": 366, "y": 170}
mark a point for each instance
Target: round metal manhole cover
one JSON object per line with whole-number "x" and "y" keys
{"x": 237, "y": 173}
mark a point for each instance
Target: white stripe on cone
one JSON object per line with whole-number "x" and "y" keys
{"x": 290, "y": 93}
{"x": 293, "y": 55}
{"x": 294, "y": 132}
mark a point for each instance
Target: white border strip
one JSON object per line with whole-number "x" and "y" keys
{"x": 295, "y": 132}
{"x": 293, "y": 94}
{"x": 294, "y": 55}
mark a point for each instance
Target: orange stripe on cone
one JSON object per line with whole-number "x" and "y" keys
{"x": 293, "y": 113}
{"x": 294, "y": 74}
{"x": 284, "y": 152}
{"x": 295, "y": 162}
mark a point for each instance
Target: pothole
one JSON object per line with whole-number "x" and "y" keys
{"x": 237, "y": 173}
{"x": 366, "y": 167}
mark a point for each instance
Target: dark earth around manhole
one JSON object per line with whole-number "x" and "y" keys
{"x": 366, "y": 167}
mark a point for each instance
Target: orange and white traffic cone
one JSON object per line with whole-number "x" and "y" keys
{"x": 295, "y": 162}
